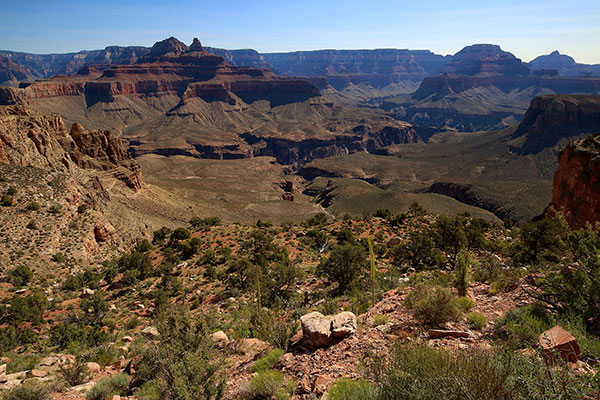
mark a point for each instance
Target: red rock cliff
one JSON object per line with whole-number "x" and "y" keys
{"x": 576, "y": 187}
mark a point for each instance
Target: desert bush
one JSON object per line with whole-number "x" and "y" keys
{"x": 159, "y": 236}
{"x": 137, "y": 261}
{"x": 148, "y": 391}
{"x": 182, "y": 364}
{"x": 464, "y": 303}
{"x": 344, "y": 265}
{"x": 198, "y": 224}
{"x": 348, "y": 389}
{"x": 55, "y": 209}
{"x": 265, "y": 363}
{"x": 6, "y": 200}
{"x": 94, "y": 308}
{"x": 22, "y": 363}
{"x": 420, "y": 372}
{"x": 77, "y": 335}
{"x": 380, "y": 319}
{"x": 273, "y": 329}
{"x": 382, "y": 213}
{"x": 33, "y": 206}
{"x": 267, "y": 385}
{"x": 29, "y": 391}
{"x": 432, "y": 305}
{"x": 108, "y": 386}
{"x": 316, "y": 220}
{"x": 75, "y": 372}
{"x": 143, "y": 246}
{"x": 541, "y": 241}
{"x": 20, "y": 275}
{"x": 523, "y": 326}
{"x": 476, "y": 320}
{"x": 418, "y": 252}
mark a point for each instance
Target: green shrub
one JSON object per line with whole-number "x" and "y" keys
{"x": 33, "y": 206}
{"x": 267, "y": 385}
{"x": 107, "y": 387}
{"x": 30, "y": 390}
{"x": 348, "y": 389}
{"x": 148, "y": 391}
{"x": 75, "y": 373}
{"x": 267, "y": 362}
{"x": 22, "y": 363}
{"x": 464, "y": 303}
{"x": 523, "y": 326}
{"x": 55, "y": 209}
{"x": 476, "y": 320}
{"x": 418, "y": 372}
{"x": 59, "y": 258}
{"x": 344, "y": 265}
{"x": 432, "y": 305}
{"x": 20, "y": 275}
{"x": 380, "y": 319}
{"x": 182, "y": 364}
{"x": 6, "y": 200}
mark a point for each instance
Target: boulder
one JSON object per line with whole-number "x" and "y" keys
{"x": 343, "y": 324}
{"x": 38, "y": 373}
{"x": 316, "y": 329}
{"x": 86, "y": 293}
{"x": 151, "y": 331}
{"x": 319, "y": 330}
{"x": 93, "y": 367}
{"x": 127, "y": 339}
{"x": 558, "y": 342}
{"x": 219, "y": 337}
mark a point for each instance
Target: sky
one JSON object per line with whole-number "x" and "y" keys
{"x": 525, "y": 28}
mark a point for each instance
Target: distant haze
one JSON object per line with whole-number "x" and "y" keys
{"x": 527, "y": 29}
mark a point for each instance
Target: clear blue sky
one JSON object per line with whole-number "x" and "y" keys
{"x": 525, "y": 28}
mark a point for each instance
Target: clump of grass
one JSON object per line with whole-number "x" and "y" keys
{"x": 267, "y": 385}
{"x": 108, "y": 386}
{"x": 476, "y": 320}
{"x": 465, "y": 303}
{"x": 265, "y": 363}
{"x": 380, "y": 319}
{"x": 348, "y": 389}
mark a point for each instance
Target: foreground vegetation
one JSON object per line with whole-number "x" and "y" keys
{"x": 256, "y": 281}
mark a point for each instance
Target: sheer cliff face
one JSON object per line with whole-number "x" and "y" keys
{"x": 576, "y": 187}
{"x": 28, "y": 138}
{"x": 552, "y": 118}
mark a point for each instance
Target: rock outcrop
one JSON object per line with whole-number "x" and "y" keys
{"x": 551, "y": 118}
{"x": 29, "y": 138}
{"x": 576, "y": 186}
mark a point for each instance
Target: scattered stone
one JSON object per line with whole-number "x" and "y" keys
{"x": 2, "y": 369}
{"x": 557, "y": 341}
{"x": 86, "y": 293}
{"x": 219, "y": 336}
{"x": 104, "y": 233}
{"x": 127, "y": 339}
{"x": 93, "y": 367}
{"x": 115, "y": 397}
{"x": 151, "y": 331}
{"x": 17, "y": 376}
{"x": 442, "y": 333}
{"x": 322, "y": 383}
{"x": 38, "y": 373}
{"x": 395, "y": 241}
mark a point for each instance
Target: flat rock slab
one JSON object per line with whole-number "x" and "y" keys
{"x": 558, "y": 342}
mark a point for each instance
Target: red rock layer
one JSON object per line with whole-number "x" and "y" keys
{"x": 576, "y": 187}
